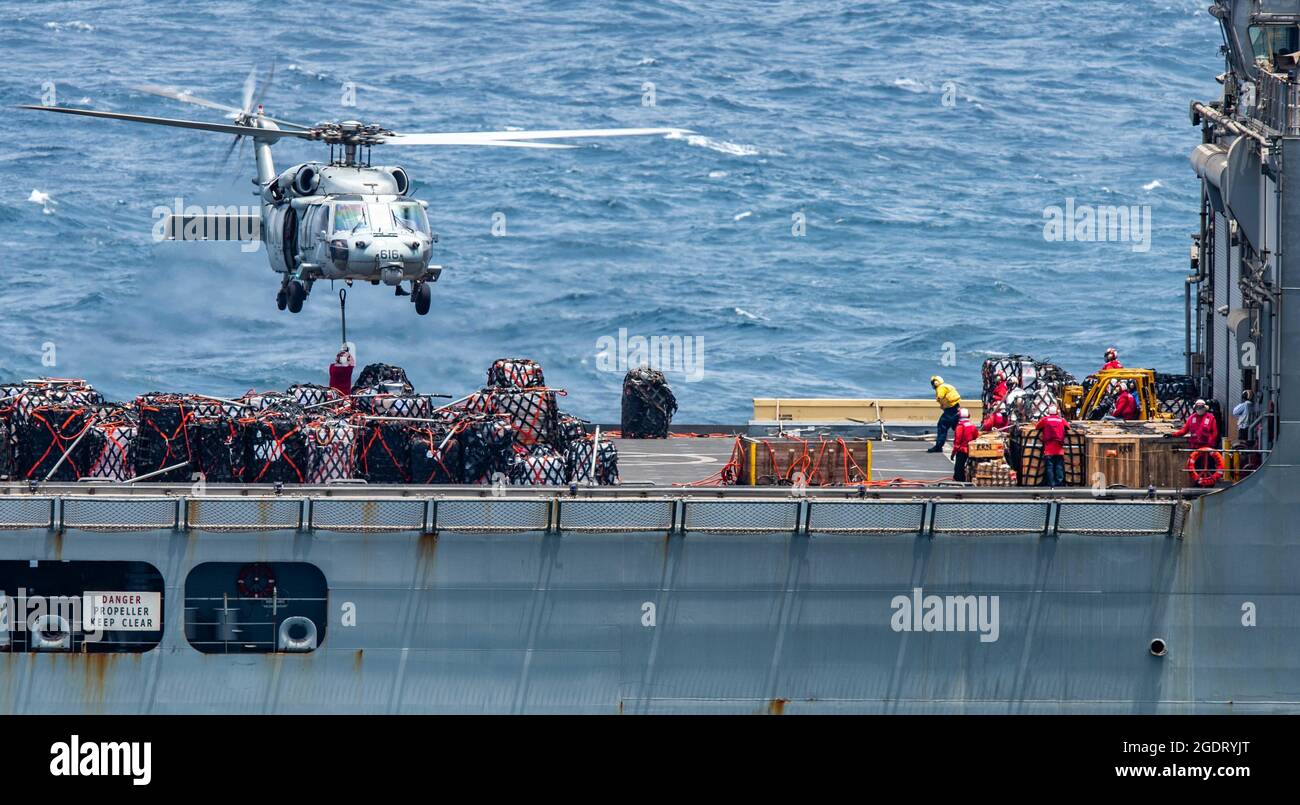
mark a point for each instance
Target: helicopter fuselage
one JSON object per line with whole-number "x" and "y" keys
{"x": 346, "y": 222}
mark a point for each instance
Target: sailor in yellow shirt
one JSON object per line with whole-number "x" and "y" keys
{"x": 950, "y": 401}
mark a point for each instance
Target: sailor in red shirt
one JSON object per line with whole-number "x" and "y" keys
{"x": 996, "y": 419}
{"x": 1052, "y": 430}
{"x": 1126, "y": 406}
{"x": 341, "y": 371}
{"x": 962, "y": 436}
{"x": 1200, "y": 428}
{"x": 1112, "y": 360}
{"x": 1000, "y": 390}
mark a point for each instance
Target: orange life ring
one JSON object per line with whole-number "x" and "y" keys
{"x": 1205, "y": 476}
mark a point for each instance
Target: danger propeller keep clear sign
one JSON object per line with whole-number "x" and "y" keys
{"x": 122, "y": 611}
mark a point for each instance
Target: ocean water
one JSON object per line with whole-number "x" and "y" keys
{"x": 862, "y": 206}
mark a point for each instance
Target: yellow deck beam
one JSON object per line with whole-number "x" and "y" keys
{"x": 891, "y": 411}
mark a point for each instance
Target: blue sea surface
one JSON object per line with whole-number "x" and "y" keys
{"x": 919, "y": 142}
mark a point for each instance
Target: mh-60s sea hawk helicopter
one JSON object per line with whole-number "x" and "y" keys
{"x": 345, "y": 219}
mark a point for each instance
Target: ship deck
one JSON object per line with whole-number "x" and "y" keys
{"x": 683, "y": 460}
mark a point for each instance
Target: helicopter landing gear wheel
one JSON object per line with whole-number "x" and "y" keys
{"x": 423, "y": 298}
{"x": 296, "y": 294}
{"x": 282, "y": 299}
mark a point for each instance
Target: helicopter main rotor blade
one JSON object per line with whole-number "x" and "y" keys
{"x": 224, "y": 128}
{"x": 185, "y": 97}
{"x": 513, "y": 137}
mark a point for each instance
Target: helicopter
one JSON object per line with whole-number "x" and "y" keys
{"x": 344, "y": 219}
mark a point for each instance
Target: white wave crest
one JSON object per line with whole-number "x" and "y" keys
{"x": 721, "y": 146}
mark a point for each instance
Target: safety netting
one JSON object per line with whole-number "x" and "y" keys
{"x": 648, "y": 405}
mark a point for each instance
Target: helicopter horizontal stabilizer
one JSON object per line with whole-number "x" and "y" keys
{"x": 211, "y": 226}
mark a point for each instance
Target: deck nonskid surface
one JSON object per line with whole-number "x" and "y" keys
{"x": 664, "y": 462}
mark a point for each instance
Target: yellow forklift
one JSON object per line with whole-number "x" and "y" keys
{"x": 1100, "y": 397}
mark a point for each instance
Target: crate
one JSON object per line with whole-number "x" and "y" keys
{"x": 819, "y": 462}
{"x": 1026, "y": 452}
{"x": 1138, "y": 460}
{"x": 988, "y": 445}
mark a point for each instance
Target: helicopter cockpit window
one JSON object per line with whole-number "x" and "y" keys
{"x": 411, "y": 215}
{"x": 349, "y": 216}
{"x": 1270, "y": 42}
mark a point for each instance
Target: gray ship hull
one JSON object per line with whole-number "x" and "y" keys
{"x": 545, "y": 621}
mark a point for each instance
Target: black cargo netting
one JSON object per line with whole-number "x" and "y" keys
{"x": 518, "y": 373}
{"x": 275, "y": 450}
{"x": 163, "y": 436}
{"x": 383, "y": 452}
{"x": 331, "y": 450}
{"x": 1175, "y": 394}
{"x": 436, "y": 456}
{"x": 1030, "y": 374}
{"x": 276, "y": 402}
{"x": 570, "y": 430}
{"x": 216, "y": 449}
{"x": 541, "y": 466}
{"x": 377, "y": 375}
{"x": 533, "y": 413}
{"x": 1033, "y": 405}
{"x": 579, "y": 460}
{"x": 648, "y": 405}
{"x": 320, "y": 399}
{"x": 487, "y": 448}
{"x": 108, "y": 447}
{"x": 406, "y": 406}
{"x": 512, "y": 429}
{"x": 7, "y": 446}
{"x": 46, "y": 436}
